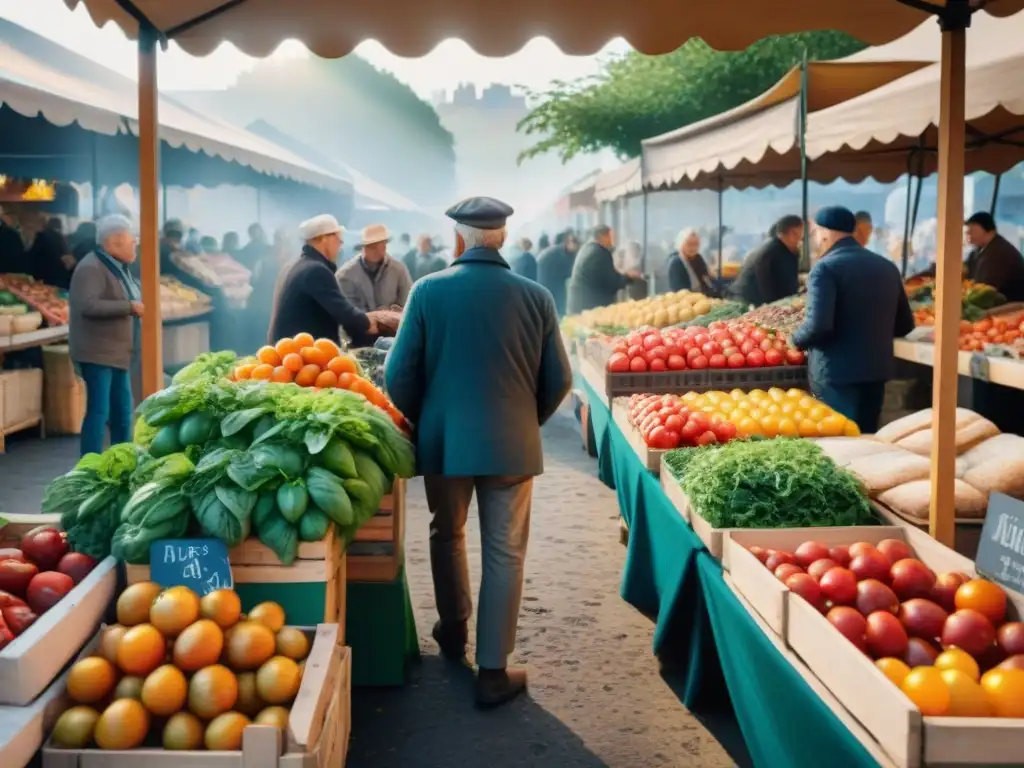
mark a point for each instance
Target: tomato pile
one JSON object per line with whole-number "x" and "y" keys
{"x": 991, "y": 330}
{"x": 665, "y": 422}
{"x": 34, "y": 577}
{"x": 723, "y": 344}
{"x": 943, "y": 640}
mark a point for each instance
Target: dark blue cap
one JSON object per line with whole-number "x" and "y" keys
{"x": 480, "y": 212}
{"x": 836, "y": 218}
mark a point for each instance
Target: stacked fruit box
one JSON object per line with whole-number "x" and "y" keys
{"x": 378, "y": 552}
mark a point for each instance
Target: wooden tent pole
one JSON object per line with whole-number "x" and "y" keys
{"x": 948, "y": 290}
{"x": 149, "y": 191}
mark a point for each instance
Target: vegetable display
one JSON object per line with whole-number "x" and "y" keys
{"x": 783, "y": 318}
{"x": 758, "y": 483}
{"x": 658, "y": 311}
{"x": 976, "y": 299}
{"x": 725, "y": 310}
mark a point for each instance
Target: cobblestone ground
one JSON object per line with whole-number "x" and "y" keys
{"x": 596, "y": 698}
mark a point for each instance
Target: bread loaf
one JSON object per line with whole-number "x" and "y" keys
{"x": 916, "y": 422}
{"x": 913, "y": 499}
{"x": 887, "y": 470}
{"x": 967, "y": 436}
{"x": 843, "y": 450}
{"x": 1003, "y": 474}
{"x": 995, "y": 447}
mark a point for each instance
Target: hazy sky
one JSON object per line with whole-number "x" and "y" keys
{"x": 452, "y": 62}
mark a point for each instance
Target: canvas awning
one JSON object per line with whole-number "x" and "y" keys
{"x": 581, "y": 193}
{"x": 331, "y": 28}
{"x": 619, "y": 182}
{"x": 39, "y": 77}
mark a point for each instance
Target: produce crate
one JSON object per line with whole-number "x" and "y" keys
{"x": 21, "y": 401}
{"x": 909, "y": 738}
{"x": 33, "y": 659}
{"x": 63, "y": 392}
{"x": 674, "y": 493}
{"x": 184, "y": 340}
{"x": 318, "y": 726}
{"x": 782, "y": 376}
{"x": 650, "y": 457}
{"x": 707, "y": 379}
{"x": 378, "y": 550}
{"x": 967, "y": 531}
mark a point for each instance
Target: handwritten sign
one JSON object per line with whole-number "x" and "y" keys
{"x": 924, "y": 354}
{"x": 979, "y": 366}
{"x": 202, "y": 565}
{"x": 1001, "y": 549}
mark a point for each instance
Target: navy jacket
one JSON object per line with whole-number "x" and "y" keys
{"x": 554, "y": 268}
{"x": 595, "y": 282}
{"x": 478, "y": 366}
{"x": 770, "y": 272}
{"x": 307, "y": 298}
{"x": 856, "y": 306}
{"x": 524, "y": 263}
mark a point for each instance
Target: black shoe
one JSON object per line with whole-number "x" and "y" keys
{"x": 451, "y": 640}
{"x": 495, "y": 687}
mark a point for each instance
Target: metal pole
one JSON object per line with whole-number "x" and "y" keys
{"x": 643, "y": 244}
{"x": 995, "y": 195}
{"x": 95, "y": 177}
{"x": 906, "y": 223}
{"x": 804, "y": 196}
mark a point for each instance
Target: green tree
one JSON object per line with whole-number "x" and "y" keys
{"x": 637, "y": 96}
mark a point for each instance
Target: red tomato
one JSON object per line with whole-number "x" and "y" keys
{"x": 758, "y": 334}
{"x": 690, "y": 432}
{"x": 674, "y": 422}
{"x": 656, "y": 364}
{"x": 618, "y": 363}
{"x": 76, "y": 565}
{"x": 635, "y": 351}
{"x": 773, "y": 357}
{"x": 658, "y": 439}
{"x": 691, "y": 353}
{"x": 724, "y": 431}
{"x": 755, "y": 358}
{"x": 698, "y": 362}
{"x": 10, "y": 553}
{"x": 737, "y": 360}
{"x": 676, "y": 363}
{"x": 659, "y": 352}
{"x": 16, "y": 575}
{"x": 702, "y": 420}
{"x": 672, "y": 349}
{"x": 673, "y": 438}
{"x": 700, "y": 339}
{"x": 716, "y": 361}
{"x": 44, "y": 546}
{"x": 652, "y": 341}
{"x": 748, "y": 346}
{"x": 795, "y": 357}
{"x": 18, "y": 618}
{"x": 638, "y": 365}
{"x": 707, "y": 438}
{"x": 46, "y": 589}
{"x": 711, "y": 348}
{"x": 6, "y": 599}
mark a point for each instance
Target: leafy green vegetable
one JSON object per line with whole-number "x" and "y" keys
{"x": 280, "y": 536}
{"x": 337, "y": 457}
{"x": 313, "y": 525}
{"x": 292, "y": 501}
{"x": 244, "y": 472}
{"x": 131, "y": 542}
{"x": 235, "y": 422}
{"x": 284, "y": 459}
{"x": 207, "y": 365}
{"x": 328, "y": 493}
{"x": 218, "y": 516}
{"x": 197, "y": 428}
{"x": 780, "y": 483}
{"x": 165, "y": 441}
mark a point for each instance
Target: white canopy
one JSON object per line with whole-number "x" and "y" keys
{"x": 619, "y": 182}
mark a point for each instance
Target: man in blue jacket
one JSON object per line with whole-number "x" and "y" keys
{"x": 856, "y": 306}
{"x": 478, "y": 366}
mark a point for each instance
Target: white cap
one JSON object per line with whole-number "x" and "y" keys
{"x": 375, "y": 233}
{"x": 318, "y": 226}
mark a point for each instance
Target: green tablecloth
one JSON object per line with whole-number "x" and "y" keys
{"x": 710, "y": 643}
{"x": 601, "y": 421}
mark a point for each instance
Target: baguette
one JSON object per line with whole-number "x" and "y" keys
{"x": 897, "y": 430}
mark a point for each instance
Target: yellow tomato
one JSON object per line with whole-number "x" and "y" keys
{"x": 738, "y": 394}
{"x": 832, "y": 425}
{"x": 788, "y": 428}
{"x": 690, "y": 396}
{"x": 795, "y": 394}
{"x": 817, "y": 413}
{"x": 770, "y": 425}
{"x": 787, "y": 407}
{"x": 757, "y": 395}
{"x": 807, "y": 428}
{"x": 747, "y": 427}
{"x": 714, "y": 397}
{"x": 798, "y": 416}
{"x": 850, "y": 429}
{"x": 894, "y": 669}
{"x": 773, "y": 408}
{"x": 776, "y": 394}
{"x": 806, "y": 403}
{"x": 727, "y": 406}
{"x": 757, "y": 413}
{"x": 745, "y": 405}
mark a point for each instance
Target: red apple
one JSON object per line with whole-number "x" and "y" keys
{"x": 1011, "y": 638}
{"x": 894, "y": 549}
{"x": 810, "y": 551}
{"x": 870, "y": 565}
{"x": 861, "y": 548}
{"x": 873, "y": 595}
{"x": 969, "y": 631}
{"x": 923, "y": 618}
{"x": 911, "y": 578}
{"x": 805, "y": 586}
{"x": 885, "y": 635}
{"x": 1013, "y": 662}
{"x": 758, "y": 552}
{"x": 850, "y": 624}
{"x": 841, "y": 554}
{"x": 919, "y": 653}
{"x": 819, "y": 568}
{"x": 776, "y": 558}
{"x": 944, "y": 591}
{"x": 786, "y": 570}
{"x": 839, "y": 585}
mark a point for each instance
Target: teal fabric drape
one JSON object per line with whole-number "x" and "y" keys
{"x": 601, "y": 420}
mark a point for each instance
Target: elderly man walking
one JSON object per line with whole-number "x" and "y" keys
{"x": 479, "y": 366}
{"x": 374, "y": 281}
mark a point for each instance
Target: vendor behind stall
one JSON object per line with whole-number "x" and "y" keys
{"x": 308, "y": 299}
{"x": 771, "y": 271}
{"x": 994, "y": 260}
{"x": 374, "y": 280}
{"x": 13, "y": 256}
{"x": 595, "y": 281}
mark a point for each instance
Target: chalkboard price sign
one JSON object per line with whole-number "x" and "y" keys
{"x": 202, "y": 565}
{"x": 1001, "y": 549}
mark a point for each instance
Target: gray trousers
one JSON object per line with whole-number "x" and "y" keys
{"x": 504, "y": 504}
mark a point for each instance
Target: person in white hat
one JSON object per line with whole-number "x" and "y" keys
{"x": 374, "y": 281}
{"x": 308, "y": 298}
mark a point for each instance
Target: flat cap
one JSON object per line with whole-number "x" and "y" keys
{"x": 480, "y": 212}
{"x": 837, "y": 218}
{"x": 111, "y": 225}
{"x": 318, "y": 226}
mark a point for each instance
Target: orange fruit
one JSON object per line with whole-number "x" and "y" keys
{"x": 165, "y": 690}
{"x": 292, "y": 361}
{"x": 173, "y": 610}
{"x": 342, "y": 364}
{"x": 142, "y": 650}
{"x": 248, "y": 645}
{"x": 292, "y": 642}
{"x": 769, "y": 424}
{"x": 314, "y": 356}
{"x": 303, "y": 340}
{"x": 184, "y": 731}
{"x": 109, "y": 640}
{"x": 282, "y": 375}
{"x": 199, "y": 645}
{"x": 363, "y": 387}
{"x": 134, "y": 603}
{"x": 832, "y": 425}
{"x": 249, "y": 702}
{"x": 222, "y": 606}
{"x": 966, "y": 697}
{"x": 954, "y": 658}
{"x": 268, "y": 355}
{"x": 346, "y": 380}
{"x": 894, "y": 669}
{"x": 328, "y": 346}
{"x": 211, "y": 691}
{"x": 225, "y": 731}
{"x": 285, "y": 347}
{"x": 91, "y": 680}
{"x": 263, "y": 372}
{"x": 327, "y": 380}
{"x": 269, "y": 613}
{"x": 276, "y": 716}
{"x": 277, "y": 681}
{"x": 983, "y": 596}
{"x": 75, "y": 727}
{"x": 925, "y": 687}
{"x": 307, "y": 376}
{"x": 1004, "y": 689}
{"x": 243, "y": 372}
{"x": 129, "y": 687}
{"x": 807, "y": 428}
{"x": 123, "y": 725}
{"x": 850, "y": 429}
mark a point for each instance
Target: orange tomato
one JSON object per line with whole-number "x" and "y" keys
{"x": 315, "y": 356}
{"x": 788, "y": 428}
{"x": 966, "y": 697}
{"x": 283, "y": 375}
{"x": 327, "y": 380}
{"x": 894, "y": 669}
{"x": 362, "y": 387}
{"x": 307, "y": 376}
{"x": 345, "y": 380}
{"x": 342, "y": 364}
{"x": 286, "y": 347}
{"x": 328, "y": 346}
{"x": 268, "y": 355}
{"x": 292, "y": 361}
{"x": 263, "y": 372}
{"x": 954, "y": 658}
{"x": 925, "y": 687}
{"x": 983, "y": 596}
{"x": 142, "y": 649}
{"x": 303, "y": 339}
{"x": 1004, "y": 689}
{"x": 243, "y": 372}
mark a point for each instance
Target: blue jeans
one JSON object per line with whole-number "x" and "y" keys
{"x": 108, "y": 393}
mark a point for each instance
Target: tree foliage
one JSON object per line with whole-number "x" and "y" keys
{"x": 637, "y": 96}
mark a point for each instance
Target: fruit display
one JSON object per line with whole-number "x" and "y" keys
{"x": 184, "y": 672}
{"x": 723, "y": 310}
{"x": 178, "y": 300}
{"x": 761, "y": 483}
{"x": 999, "y": 330}
{"x": 657, "y": 311}
{"x": 35, "y": 576}
{"x": 217, "y": 270}
{"x": 723, "y": 344}
{"x": 671, "y": 421}
{"x": 977, "y": 299}
{"x": 783, "y": 316}
{"x": 944, "y": 639}
{"x": 225, "y": 459}
{"x": 11, "y": 304}
{"x": 50, "y": 302}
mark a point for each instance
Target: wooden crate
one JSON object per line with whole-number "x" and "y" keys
{"x": 21, "y": 402}
{"x": 649, "y": 457}
{"x": 31, "y": 662}
{"x": 318, "y": 727}
{"x": 675, "y": 494}
{"x": 378, "y": 551}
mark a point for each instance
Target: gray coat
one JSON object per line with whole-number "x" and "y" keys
{"x": 388, "y": 287}
{"x": 101, "y": 323}
{"x": 594, "y": 282}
